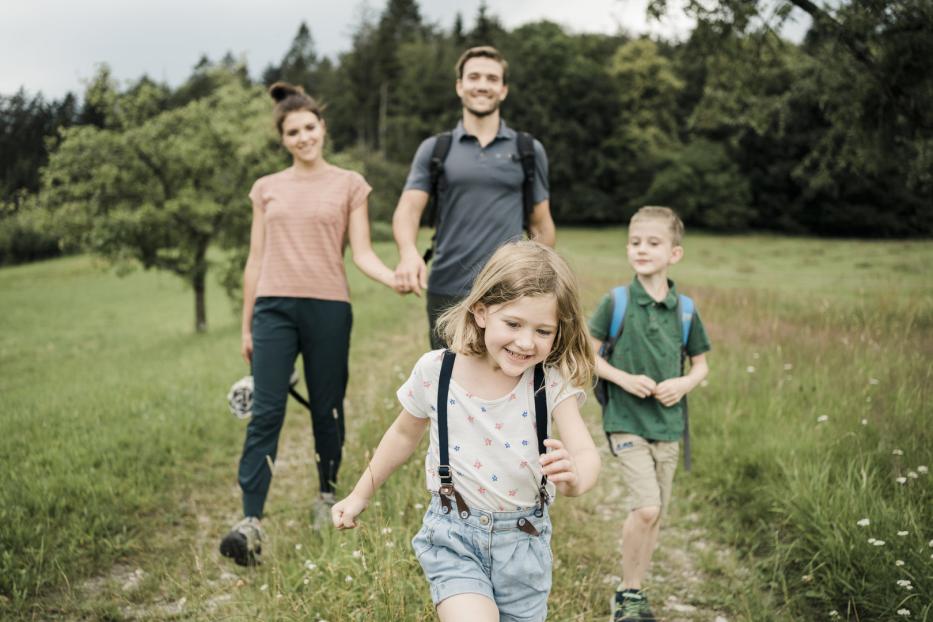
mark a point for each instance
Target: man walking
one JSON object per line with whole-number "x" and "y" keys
{"x": 482, "y": 194}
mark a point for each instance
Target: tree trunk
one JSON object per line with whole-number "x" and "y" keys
{"x": 198, "y": 282}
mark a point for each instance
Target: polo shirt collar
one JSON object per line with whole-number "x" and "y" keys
{"x": 639, "y": 295}
{"x": 504, "y": 131}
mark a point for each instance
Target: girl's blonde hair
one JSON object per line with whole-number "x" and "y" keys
{"x": 516, "y": 270}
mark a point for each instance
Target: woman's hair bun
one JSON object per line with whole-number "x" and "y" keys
{"x": 280, "y": 90}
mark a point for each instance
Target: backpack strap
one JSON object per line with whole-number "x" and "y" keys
{"x": 526, "y": 153}
{"x": 442, "y": 144}
{"x": 686, "y": 308}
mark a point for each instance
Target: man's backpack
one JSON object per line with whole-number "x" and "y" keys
{"x": 526, "y": 153}
{"x": 619, "y": 305}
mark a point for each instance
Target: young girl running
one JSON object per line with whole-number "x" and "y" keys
{"x": 518, "y": 356}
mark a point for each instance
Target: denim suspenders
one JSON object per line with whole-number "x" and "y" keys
{"x": 447, "y": 485}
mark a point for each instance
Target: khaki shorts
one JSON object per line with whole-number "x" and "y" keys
{"x": 647, "y": 469}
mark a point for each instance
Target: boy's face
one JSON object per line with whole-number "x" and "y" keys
{"x": 650, "y": 247}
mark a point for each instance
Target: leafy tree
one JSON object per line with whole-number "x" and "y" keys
{"x": 160, "y": 192}
{"x": 299, "y": 65}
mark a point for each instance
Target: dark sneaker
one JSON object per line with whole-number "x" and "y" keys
{"x": 244, "y": 542}
{"x": 631, "y": 606}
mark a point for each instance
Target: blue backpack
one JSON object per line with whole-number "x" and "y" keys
{"x": 619, "y": 305}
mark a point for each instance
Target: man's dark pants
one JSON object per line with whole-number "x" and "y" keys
{"x": 437, "y": 304}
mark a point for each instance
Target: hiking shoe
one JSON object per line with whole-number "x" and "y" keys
{"x": 244, "y": 542}
{"x": 320, "y": 512}
{"x": 631, "y": 606}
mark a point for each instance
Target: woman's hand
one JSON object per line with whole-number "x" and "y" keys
{"x": 345, "y": 512}
{"x": 246, "y": 347}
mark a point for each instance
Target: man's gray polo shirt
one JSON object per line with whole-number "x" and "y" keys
{"x": 481, "y": 207}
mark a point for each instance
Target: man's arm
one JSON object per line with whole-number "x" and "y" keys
{"x": 411, "y": 275}
{"x": 541, "y": 225}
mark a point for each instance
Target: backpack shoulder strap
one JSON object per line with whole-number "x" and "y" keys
{"x": 619, "y": 305}
{"x": 436, "y": 168}
{"x": 686, "y": 317}
{"x": 442, "y": 144}
{"x": 526, "y": 153}
{"x": 540, "y": 406}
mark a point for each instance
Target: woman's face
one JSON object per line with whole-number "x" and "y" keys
{"x": 303, "y": 135}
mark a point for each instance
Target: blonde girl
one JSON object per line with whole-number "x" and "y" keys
{"x": 518, "y": 355}
{"x": 296, "y": 301}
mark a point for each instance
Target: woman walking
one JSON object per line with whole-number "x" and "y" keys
{"x": 296, "y": 301}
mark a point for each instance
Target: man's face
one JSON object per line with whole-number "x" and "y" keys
{"x": 482, "y": 89}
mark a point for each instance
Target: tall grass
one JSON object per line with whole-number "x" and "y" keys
{"x": 119, "y": 453}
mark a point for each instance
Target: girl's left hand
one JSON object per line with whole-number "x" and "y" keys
{"x": 558, "y": 464}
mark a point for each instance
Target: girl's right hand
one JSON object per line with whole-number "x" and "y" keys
{"x": 345, "y": 512}
{"x": 246, "y": 348}
{"x": 639, "y": 386}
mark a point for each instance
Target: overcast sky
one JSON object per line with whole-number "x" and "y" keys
{"x": 53, "y": 46}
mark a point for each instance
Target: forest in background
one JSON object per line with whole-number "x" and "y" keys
{"x": 735, "y": 127}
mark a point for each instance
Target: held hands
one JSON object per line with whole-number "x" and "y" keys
{"x": 411, "y": 275}
{"x": 345, "y": 512}
{"x": 559, "y": 466}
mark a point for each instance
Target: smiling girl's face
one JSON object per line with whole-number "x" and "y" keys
{"x": 519, "y": 334}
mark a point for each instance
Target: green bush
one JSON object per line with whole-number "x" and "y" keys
{"x": 26, "y": 232}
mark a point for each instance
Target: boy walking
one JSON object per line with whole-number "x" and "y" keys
{"x": 644, "y": 415}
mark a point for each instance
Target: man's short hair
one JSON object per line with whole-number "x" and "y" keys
{"x": 654, "y": 212}
{"x": 483, "y": 51}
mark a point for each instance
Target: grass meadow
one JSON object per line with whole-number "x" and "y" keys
{"x": 812, "y": 442}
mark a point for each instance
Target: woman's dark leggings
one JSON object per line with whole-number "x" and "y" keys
{"x": 282, "y": 328}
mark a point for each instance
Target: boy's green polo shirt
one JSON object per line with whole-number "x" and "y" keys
{"x": 650, "y": 346}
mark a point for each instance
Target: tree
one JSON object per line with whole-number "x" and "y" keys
{"x": 160, "y": 192}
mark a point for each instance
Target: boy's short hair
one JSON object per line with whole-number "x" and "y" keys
{"x": 654, "y": 212}
{"x": 483, "y": 51}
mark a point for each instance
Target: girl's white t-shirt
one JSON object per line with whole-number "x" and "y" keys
{"x": 492, "y": 444}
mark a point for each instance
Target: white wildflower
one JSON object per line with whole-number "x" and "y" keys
{"x": 788, "y": 367}
{"x": 871, "y": 540}
{"x": 864, "y": 421}
{"x": 899, "y": 562}
{"x": 389, "y": 544}
{"x": 902, "y": 533}
{"x": 901, "y": 480}
{"x": 864, "y": 522}
{"x": 903, "y": 612}
{"x": 377, "y": 503}
{"x": 309, "y": 565}
{"x": 897, "y": 452}
{"x": 807, "y": 578}
{"x": 878, "y": 542}
{"x": 348, "y": 579}
{"x": 931, "y": 543}
{"x": 386, "y": 530}
{"x": 872, "y": 381}
{"x": 357, "y": 554}
{"x": 903, "y": 582}
{"x": 833, "y": 614}
{"x": 419, "y": 506}
{"x": 822, "y": 419}
{"x": 306, "y": 581}
{"x": 297, "y": 547}
{"x": 922, "y": 469}
{"x": 750, "y": 369}
{"x": 263, "y": 587}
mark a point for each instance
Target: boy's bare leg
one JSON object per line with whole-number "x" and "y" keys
{"x": 639, "y": 537}
{"x": 468, "y": 608}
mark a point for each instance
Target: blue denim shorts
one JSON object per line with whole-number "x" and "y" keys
{"x": 487, "y": 554}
